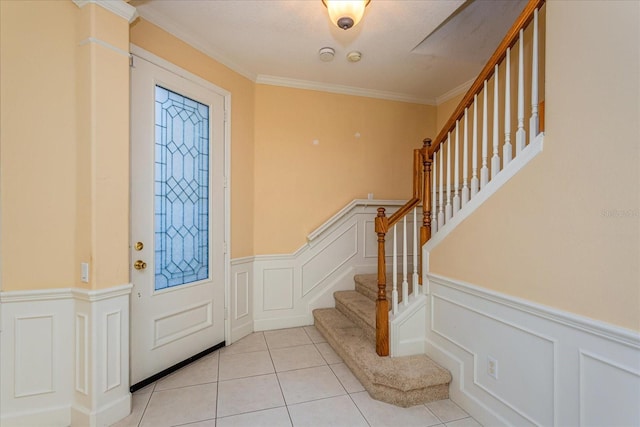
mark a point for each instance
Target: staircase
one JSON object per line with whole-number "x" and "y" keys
{"x": 350, "y": 329}
{"x": 469, "y": 160}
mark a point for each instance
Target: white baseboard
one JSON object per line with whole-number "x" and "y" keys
{"x": 50, "y": 416}
{"x": 553, "y": 367}
{"x": 65, "y": 357}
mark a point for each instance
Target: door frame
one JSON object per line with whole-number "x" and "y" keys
{"x": 162, "y": 63}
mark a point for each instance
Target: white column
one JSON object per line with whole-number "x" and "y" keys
{"x": 456, "y": 173}
{"x": 465, "y": 159}
{"x": 484, "y": 171}
{"x": 506, "y": 149}
{"x": 474, "y": 153}
{"x": 533, "y": 121}
{"x": 495, "y": 160}
{"x": 521, "y": 136}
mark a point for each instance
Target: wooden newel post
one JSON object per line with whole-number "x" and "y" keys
{"x": 382, "y": 305}
{"x": 425, "y": 229}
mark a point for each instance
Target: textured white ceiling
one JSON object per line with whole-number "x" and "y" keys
{"x": 413, "y": 50}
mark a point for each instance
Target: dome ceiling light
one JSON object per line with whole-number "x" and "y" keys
{"x": 345, "y": 13}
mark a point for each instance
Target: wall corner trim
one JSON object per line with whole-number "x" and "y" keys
{"x": 118, "y": 7}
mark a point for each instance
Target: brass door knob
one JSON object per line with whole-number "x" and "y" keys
{"x": 139, "y": 265}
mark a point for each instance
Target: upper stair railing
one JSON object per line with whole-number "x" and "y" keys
{"x": 444, "y": 191}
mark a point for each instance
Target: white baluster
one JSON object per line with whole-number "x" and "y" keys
{"x": 495, "y": 160}
{"x": 521, "y": 135}
{"x": 405, "y": 284}
{"x": 484, "y": 172}
{"x": 474, "y": 154}
{"x": 506, "y": 149}
{"x": 441, "y": 192}
{"x": 456, "y": 174}
{"x": 448, "y": 207}
{"x": 465, "y": 160}
{"x": 394, "y": 292}
{"x": 415, "y": 250}
{"x": 533, "y": 121}
{"x": 434, "y": 193}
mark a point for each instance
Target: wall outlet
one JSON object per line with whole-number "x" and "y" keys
{"x": 492, "y": 367}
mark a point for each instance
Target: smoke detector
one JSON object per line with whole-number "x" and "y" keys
{"x": 326, "y": 54}
{"x": 354, "y": 56}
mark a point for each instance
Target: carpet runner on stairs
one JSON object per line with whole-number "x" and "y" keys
{"x": 350, "y": 330}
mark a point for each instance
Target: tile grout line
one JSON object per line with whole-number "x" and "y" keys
{"x": 284, "y": 400}
{"x": 146, "y": 406}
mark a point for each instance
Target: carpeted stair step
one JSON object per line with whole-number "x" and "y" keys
{"x": 359, "y": 309}
{"x": 402, "y": 381}
{"x": 367, "y": 285}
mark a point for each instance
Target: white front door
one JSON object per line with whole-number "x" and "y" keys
{"x": 177, "y": 219}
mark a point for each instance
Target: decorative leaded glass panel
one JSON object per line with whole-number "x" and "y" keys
{"x": 181, "y": 190}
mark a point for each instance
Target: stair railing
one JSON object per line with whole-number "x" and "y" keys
{"x": 428, "y": 182}
{"x": 451, "y": 187}
{"x": 421, "y": 185}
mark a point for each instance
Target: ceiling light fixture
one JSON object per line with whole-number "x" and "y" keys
{"x": 345, "y": 13}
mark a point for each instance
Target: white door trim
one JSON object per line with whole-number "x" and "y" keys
{"x": 156, "y": 60}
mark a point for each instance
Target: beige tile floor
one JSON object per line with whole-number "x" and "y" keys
{"x": 288, "y": 377}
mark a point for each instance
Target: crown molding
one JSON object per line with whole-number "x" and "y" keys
{"x": 118, "y": 7}
{"x": 195, "y": 42}
{"x": 340, "y": 89}
{"x": 459, "y": 90}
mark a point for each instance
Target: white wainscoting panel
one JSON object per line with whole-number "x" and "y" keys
{"x": 35, "y": 359}
{"x": 241, "y": 299}
{"x": 82, "y": 353}
{"x": 551, "y": 368}
{"x": 286, "y": 288}
{"x": 316, "y": 270}
{"x": 36, "y": 365}
{"x": 65, "y": 357}
{"x": 279, "y": 292}
{"x": 599, "y": 378}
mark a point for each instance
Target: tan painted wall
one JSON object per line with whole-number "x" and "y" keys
{"x": 300, "y": 185}
{"x": 168, "y": 47}
{"x": 38, "y": 144}
{"x": 281, "y": 189}
{"x": 65, "y": 146}
{"x": 565, "y": 231}
{"x": 445, "y": 110}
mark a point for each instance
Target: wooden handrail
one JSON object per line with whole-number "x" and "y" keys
{"x": 509, "y": 40}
